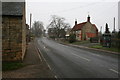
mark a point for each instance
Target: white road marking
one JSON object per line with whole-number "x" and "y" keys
{"x": 49, "y": 66}
{"x": 39, "y": 55}
{"x": 96, "y": 54}
{"x": 113, "y": 70}
{"x": 55, "y": 76}
{"x": 82, "y": 57}
{"x": 45, "y": 59}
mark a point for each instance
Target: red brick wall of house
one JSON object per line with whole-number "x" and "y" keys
{"x": 89, "y": 35}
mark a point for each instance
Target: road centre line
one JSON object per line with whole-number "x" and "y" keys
{"x": 82, "y": 57}
{"x": 113, "y": 70}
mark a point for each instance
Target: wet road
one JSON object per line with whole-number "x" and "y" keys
{"x": 70, "y": 62}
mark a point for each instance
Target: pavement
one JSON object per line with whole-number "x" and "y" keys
{"x": 72, "y": 62}
{"x": 36, "y": 67}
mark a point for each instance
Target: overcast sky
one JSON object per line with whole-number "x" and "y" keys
{"x": 100, "y": 11}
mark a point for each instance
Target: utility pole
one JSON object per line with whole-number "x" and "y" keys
{"x": 30, "y": 25}
{"x": 101, "y": 29}
{"x": 114, "y": 24}
{"x": 30, "y": 20}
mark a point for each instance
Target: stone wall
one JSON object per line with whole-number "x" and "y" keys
{"x": 12, "y": 38}
{"x": 88, "y": 28}
{"x": 23, "y": 33}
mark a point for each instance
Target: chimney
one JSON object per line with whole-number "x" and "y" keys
{"x": 75, "y": 21}
{"x": 88, "y": 18}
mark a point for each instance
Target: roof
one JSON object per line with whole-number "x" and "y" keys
{"x": 95, "y": 26}
{"x": 78, "y": 26}
{"x": 12, "y": 8}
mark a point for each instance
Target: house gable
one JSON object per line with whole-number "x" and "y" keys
{"x": 87, "y": 30}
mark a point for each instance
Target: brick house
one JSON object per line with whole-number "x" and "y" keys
{"x": 13, "y": 31}
{"x": 85, "y": 30}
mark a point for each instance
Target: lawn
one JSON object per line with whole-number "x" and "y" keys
{"x": 6, "y": 66}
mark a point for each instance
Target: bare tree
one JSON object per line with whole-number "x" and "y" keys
{"x": 57, "y": 27}
{"x": 38, "y": 28}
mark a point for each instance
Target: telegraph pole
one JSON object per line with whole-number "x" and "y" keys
{"x": 101, "y": 29}
{"x": 30, "y": 26}
{"x": 30, "y": 20}
{"x": 114, "y": 24}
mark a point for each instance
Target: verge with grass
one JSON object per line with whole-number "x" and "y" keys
{"x": 7, "y": 66}
{"x": 105, "y": 48}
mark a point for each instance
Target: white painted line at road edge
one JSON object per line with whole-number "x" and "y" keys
{"x": 46, "y": 61}
{"x": 49, "y": 66}
{"x": 113, "y": 70}
{"x": 55, "y": 76}
{"x": 39, "y": 55}
{"x": 82, "y": 57}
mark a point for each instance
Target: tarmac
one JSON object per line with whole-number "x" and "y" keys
{"x": 87, "y": 46}
{"x": 35, "y": 67}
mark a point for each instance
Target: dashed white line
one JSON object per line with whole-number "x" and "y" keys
{"x": 113, "y": 70}
{"x": 82, "y": 57}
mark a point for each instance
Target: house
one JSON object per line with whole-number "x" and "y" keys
{"x": 85, "y": 30}
{"x": 13, "y": 31}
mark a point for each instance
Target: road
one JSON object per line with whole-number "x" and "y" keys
{"x": 70, "y": 62}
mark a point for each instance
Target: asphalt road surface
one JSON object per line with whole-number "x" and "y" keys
{"x": 71, "y": 62}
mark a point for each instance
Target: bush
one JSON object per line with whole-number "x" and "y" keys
{"x": 94, "y": 39}
{"x": 72, "y": 38}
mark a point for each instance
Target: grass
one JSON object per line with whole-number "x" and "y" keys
{"x": 7, "y": 66}
{"x": 105, "y": 48}
{"x": 80, "y": 42}
{"x": 97, "y": 46}
{"x": 77, "y": 42}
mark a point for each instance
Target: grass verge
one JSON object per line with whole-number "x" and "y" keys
{"x": 80, "y": 42}
{"x": 76, "y": 43}
{"x": 105, "y": 48}
{"x": 7, "y": 66}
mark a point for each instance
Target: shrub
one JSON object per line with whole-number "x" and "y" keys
{"x": 72, "y": 38}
